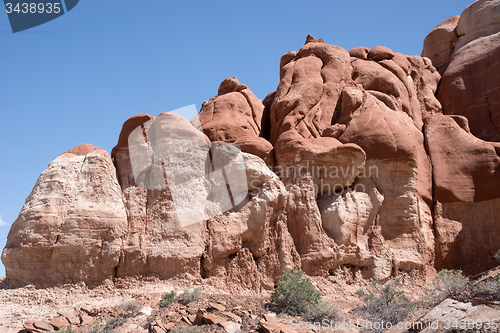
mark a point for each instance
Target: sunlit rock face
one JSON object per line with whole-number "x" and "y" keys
{"x": 353, "y": 163}
{"x": 73, "y": 223}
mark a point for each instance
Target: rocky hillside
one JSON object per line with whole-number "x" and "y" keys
{"x": 366, "y": 161}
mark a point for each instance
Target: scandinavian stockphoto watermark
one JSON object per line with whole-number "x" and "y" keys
{"x": 26, "y": 14}
{"x": 434, "y": 325}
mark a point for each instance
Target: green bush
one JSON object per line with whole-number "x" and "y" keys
{"x": 184, "y": 329}
{"x": 191, "y": 295}
{"x": 315, "y": 313}
{"x": 168, "y": 299}
{"x": 294, "y": 293}
{"x": 387, "y": 304}
{"x": 448, "y": 284}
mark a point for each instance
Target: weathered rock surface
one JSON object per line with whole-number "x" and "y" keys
{"x": 466, "y": 174}
{"x": 349, "y": 164}
{"x": 155, "y": 241}
{"x": 332, "y": 164}
{"x": 465, "y": 168}
{"x": 252, "y": 244}
{"x": 364, "y": 113}
{"x": 311, "y": 81}
{"x": 440, "y": 43}
{"x": 471, "y": 82}
{"x": 451, "y": 313}
{"x": 234, "y": 113}
{"x": 384, "y": 114}
{"x": 237, "y": 115}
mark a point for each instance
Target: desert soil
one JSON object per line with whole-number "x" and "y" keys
{"x": 107, "y": 300}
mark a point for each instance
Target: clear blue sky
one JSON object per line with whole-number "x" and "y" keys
{"x": 76, "y": 79}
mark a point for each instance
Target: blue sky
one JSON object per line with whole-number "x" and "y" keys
{"x": 76, "y": 79}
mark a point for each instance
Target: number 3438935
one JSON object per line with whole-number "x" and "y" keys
{"x": 33, "y": 8}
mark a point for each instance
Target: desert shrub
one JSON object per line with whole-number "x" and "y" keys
{"x": 184, "y": 329}
{"x": 168, "y": 299}
{"x": 448, "y": 284}
{"x": 94, "y": 328}
{"x": 388, "y": 303}
{"x": 497, "y": 256}
{"x": 112, "y": 323}
{"x": 294, "y": 293}
{"x": 489, "y": 289}
{"x": 191, "y": 295}
{"x": 322, "y": 310}
{"x": 132, "y": 306}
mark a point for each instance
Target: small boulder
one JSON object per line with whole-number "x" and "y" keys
{"x": 43, "y": 325}
{"x": 218, "y": 307}
{"x": 230, "y": 327}
{"x": 378, "y": 53}
{"x": 360, "y": 52}
{"x": 59, "y": 323}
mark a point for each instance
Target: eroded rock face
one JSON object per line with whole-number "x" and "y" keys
{"x": 349, "y": 164}
{"x": 467, "y": 194}
{"x": 72, "y": 225}
{"x": 237, "y": 115}
{"x": 366, "y": 113}
{"x": 255, "y": 235}
{"x": 384, "y": 116}
{"x": 440, "y": 43}
{"x": 471, "y": 83}
{"x": 332, "y": 164}
{"x": 311, "y": 81}
{"x": 451, "y": 310}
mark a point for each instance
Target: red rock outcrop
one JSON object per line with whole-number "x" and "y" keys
{"x": 440, "y": 43}
{"x": 312, "y": 80}
{"x": 364, "y": 113}
{"x": 471, "y": 82}
{"x": 236, "y": 115}
{"x": 467, "y": 193}
{"x": 156, "y": 242}
{"x": 465, "y": 168}
{"x": 349, "y": 164}
{"x": 383, "y": 114}
{"x": 72, "y": 225}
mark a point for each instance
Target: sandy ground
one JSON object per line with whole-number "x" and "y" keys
{"x": 29, "y": 303}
